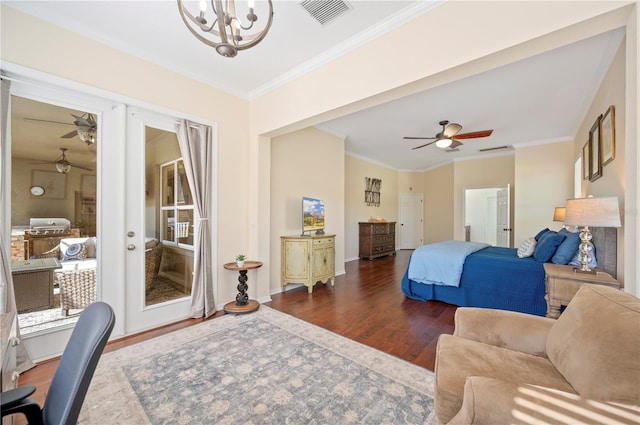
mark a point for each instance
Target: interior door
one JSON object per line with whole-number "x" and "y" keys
{"x": 144, "y": 221}
{"x": 410, "y": 214}
{"x": 503, "y": 230}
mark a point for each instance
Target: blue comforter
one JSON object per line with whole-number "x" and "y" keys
{"x": 492, "y": 277}
{"x": 441, "y": 263}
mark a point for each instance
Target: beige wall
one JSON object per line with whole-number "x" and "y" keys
{"x": 308, "y": 162}
{"x": 612, "y": 182}
{"x": 356, "y": 210}
{"x": 438, "y": 204}
{"x": 544, "y": 180}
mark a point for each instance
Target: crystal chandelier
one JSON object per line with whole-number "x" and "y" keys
{"x": 218, "y": 25}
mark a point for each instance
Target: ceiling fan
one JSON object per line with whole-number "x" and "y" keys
{"x": 63, "y": 165}
{"x": 85, "y": 127}
{"x": 449, "y": 137}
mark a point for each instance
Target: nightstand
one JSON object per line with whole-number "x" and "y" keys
{"x": 562, "y": 283}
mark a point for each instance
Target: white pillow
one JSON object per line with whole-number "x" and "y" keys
{"x": 527, "y": 248}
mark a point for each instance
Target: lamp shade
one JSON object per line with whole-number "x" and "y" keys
{"x": 558, "y": 214}
{"x": 597, "y": 212}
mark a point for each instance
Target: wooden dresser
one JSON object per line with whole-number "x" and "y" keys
{"x": 308, "y": 260}
{"x": 377, "y": 239}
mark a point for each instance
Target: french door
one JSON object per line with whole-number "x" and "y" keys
{"x": 151, "y": 258}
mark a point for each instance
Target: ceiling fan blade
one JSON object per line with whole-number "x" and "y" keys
{"x": 82, "y": 121}
{"x": 422, "y": 146}
{"x": 79, "y": 166}
{"x": 70, "y": 135}
{"x": 418, "y": 138}
{"x": 53, "y": 122}
{"x": 474, "y": 134}
{"x": 451, "y": 129}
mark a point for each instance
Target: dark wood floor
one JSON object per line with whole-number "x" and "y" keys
{"x": 366, "y": 305}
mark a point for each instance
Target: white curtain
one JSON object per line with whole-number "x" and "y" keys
{"x": 7, "y": 297}
{"x": 195, "y": 146}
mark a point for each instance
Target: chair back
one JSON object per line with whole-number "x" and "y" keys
{"x": 77, "y": 365}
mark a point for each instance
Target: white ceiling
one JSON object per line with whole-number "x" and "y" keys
{"x": 540, "y": 99}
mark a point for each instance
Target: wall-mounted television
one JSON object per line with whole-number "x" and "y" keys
{"x": 312, "y": 215}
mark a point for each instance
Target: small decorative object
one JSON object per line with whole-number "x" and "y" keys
{"x": 608, "y": 135}
{"x": 240, "y": 260}
{"x": 372, "y": 191}
{"x": 595, "y": 151}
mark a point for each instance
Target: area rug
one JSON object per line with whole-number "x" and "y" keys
{"x": 261, "y": 368}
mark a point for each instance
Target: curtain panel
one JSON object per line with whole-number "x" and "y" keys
{"x": 196, "y": 144}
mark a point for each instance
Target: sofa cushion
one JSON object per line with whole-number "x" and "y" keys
{"x": 595, "y": 344}
{"x": 464, "y": 357}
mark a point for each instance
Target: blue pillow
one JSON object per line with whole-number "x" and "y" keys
{"x": 592, "y": 264}
{"x": 567, "y": 249}
{"x": 547, "y": 245}
{"x": 540, "y": 233}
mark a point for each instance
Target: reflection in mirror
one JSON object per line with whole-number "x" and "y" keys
{"x": 169, "y": 221}
{"x": 53, "y": 213}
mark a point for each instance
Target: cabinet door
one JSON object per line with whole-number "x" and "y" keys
{"x": 319, "y": 262}
{"x": 297, "y": 259}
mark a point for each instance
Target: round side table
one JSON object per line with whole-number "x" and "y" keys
{"x": 242, "y": 304}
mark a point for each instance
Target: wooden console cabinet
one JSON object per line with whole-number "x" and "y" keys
{"x": 308, "y": 260}
{"x": 377, "y": 239}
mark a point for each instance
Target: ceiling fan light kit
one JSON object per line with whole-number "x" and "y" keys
{"x": 224, "y": 31}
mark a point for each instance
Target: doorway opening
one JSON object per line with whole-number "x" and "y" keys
{"x": 487, "y": 216}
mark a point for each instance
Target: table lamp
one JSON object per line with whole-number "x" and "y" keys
{"x": 596, "y": 212}
{"x": 558, "y": 214}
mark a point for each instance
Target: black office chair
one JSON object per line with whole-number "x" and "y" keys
{"x": 73, "y": 374}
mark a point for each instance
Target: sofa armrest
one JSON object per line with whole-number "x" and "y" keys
{"x": 507, "y": 329}
{"x": 492, "y": 401}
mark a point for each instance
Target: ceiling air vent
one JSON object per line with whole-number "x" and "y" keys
{"x": 325, "y": 11}
{"x": 495, "y": 149}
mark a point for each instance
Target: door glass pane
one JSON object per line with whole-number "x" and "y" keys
{"x": 54, "y": 207}
{"x": 168, "y": 220}
{"x": 168, "y": 186}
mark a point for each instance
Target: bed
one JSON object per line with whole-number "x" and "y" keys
{"x": 495, "y": 277}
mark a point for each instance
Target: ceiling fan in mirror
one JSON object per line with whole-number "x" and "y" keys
{"x": 449, "y": 137}
{"x": 85, "y": 124}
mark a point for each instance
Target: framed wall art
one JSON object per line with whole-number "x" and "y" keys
{"x": 608, "y": 136}
{"x": 53, "y": 183}
{"x": 595, "y": 151}
{"x": 585, "y": 161}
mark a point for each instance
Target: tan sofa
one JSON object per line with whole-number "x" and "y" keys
{"x": 502, "y": 367}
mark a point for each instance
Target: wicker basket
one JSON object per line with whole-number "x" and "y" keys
{"x": 152, "y": 258}
{"x": 77, "y": 288}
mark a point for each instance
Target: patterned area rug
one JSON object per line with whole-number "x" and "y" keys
{"x": 261, "y": 368}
